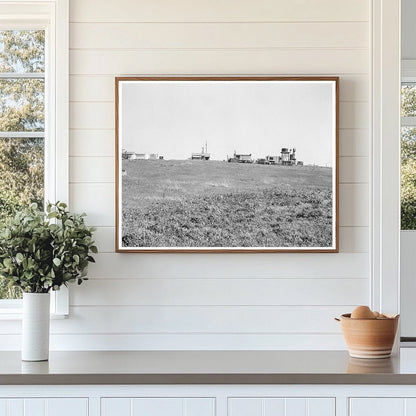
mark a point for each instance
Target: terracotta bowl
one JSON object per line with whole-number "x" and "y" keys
{"x": 369, "y": 338}
{"x": 369, "y": 366}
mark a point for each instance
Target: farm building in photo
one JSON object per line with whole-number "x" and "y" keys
{"x": 129, "y": 155}
{"x": 140, "y": 156}
{"x": 288, "y": 156}
{"x": 272, "y": 160}
{"x": 241, "y": 158}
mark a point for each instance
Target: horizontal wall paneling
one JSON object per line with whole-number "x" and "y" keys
{"x": 218, "y": 35}
{"x": 221, "y": 61}
{"x": 217, "y": 11}
{"x": 220, "y": 291}
{"x": 99, "y": 88}
{"x": 237, "y": 266}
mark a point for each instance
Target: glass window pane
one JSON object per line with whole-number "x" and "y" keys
{"x": 21, "y": 183}
{"x": 22, "y": 108}
{"x": 408, "y": 178}
{"x": 22, "y": 105}
{"x": 408, "y": 144}
{"x": 21, "y": 173}
{"x": 408, "y": 158}
{"x": 22, "y": 51}
{"x": 409, "y": 99}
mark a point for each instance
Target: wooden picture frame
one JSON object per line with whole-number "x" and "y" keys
{"x": 265, "y": 180}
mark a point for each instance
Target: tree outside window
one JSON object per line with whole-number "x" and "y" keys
{"x": 22, "y": 124}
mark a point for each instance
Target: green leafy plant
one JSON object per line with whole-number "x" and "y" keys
{"x": 43, "y": 251}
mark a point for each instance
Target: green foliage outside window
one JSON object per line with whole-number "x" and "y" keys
{"x": 408, "y": 105}
{"x": 21, "y": 110}
{"x": 408, "y": 160}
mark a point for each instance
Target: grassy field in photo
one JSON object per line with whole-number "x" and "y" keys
{"x": 194, "y": 203}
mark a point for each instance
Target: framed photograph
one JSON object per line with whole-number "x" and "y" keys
{"x": 226, "y": 164}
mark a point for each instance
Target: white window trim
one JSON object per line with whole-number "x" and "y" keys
{"x": 385, "y": 113}
{"x": 33, "y": 12}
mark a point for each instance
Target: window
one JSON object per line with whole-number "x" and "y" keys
{"x": 408, "y": 154}
{"x": 22, "y": 124}
{"x": 33, "y": 113}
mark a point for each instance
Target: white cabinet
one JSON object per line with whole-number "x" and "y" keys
{"x": 159, "y": 406}
{"x": 208, "y": 400}
{"x": 44, "y": 407}
{"x": 382, "y": 406}
{"x": 281, "y": 406}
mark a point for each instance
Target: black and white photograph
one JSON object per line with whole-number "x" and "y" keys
{"x": 227, "y": 164}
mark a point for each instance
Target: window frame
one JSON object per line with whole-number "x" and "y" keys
{"x": 53, "y": 17}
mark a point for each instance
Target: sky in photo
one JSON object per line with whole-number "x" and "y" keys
{"x": 175, "y": 119}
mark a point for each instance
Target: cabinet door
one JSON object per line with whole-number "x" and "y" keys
{"x": 281, "y": 406}
{"x": 160, "y": 406}
{"x": 44, "y": 407}
{"x": 377, "y": 406}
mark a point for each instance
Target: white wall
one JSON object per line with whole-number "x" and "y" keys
{"x": 214, "y": 301}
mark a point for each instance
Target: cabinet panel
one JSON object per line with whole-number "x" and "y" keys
{"x": 296, "y": 407}
{"x": 67, "y": 407}
{"x": 199, "y": 407}
{"x": 3, "y": 407}
{"x": 34, "y": 407}
{"x": 410, "y": 407}
{"x": 321, "y": 407}
{"x": 159, "y": 406}
{"x": 119, "y": 407}
{"x": 281, "y": 406}
{"x": 15, "y": 407}
{"x": 377, "y": 407}
{"x": 274, "y": 407}
{"x": 245, "y": 407}
{"x": 44, "y": 407}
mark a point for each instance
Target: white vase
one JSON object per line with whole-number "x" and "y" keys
{"x": 35, "y": 326}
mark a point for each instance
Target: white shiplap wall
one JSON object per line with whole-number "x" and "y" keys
{"x": 214, "y": 301}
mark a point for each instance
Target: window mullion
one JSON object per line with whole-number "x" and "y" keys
{"x": 408, "y": 121}
{"x": 22, "y": 75}
{"x": 17, "y": 134}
